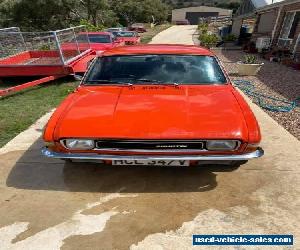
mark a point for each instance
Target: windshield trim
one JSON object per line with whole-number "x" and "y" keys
{"x": 222, "y": 68}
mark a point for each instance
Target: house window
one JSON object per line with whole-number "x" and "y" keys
{"x": 294, "y": 25}
{"x": 290, "y": 25}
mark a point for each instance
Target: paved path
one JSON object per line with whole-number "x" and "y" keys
{"x": 46, "y": 204}
{"x": 176, "y": 35}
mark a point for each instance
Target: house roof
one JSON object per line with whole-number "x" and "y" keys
{"x": 277, "y": 3}
{"x": 249, "y": 7}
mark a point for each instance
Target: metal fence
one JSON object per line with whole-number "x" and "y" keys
{"x": 42, "y": 48}
{"x": 219, "y": 19}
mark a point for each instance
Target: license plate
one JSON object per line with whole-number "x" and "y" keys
{"x": 150, "y": 163}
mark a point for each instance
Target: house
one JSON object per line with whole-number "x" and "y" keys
{"x": 277, "y": 22}
{"x": 281, "y": 23}
{"x": 193, "y": 14}
{"x": 247, "y": 11}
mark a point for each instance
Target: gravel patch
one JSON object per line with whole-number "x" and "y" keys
{"x": 275, "y": 80}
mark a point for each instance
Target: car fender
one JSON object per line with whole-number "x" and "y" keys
{"x": 50, "y": 127}
{"x": 254, "y": 134}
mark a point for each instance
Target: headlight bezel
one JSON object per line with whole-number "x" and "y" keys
{"x": 89, "y": 146}
{"x": 235, "y": 147}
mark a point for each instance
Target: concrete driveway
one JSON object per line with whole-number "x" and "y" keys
{"x": 47, "y": 204}
{"x": 176, "y": 35}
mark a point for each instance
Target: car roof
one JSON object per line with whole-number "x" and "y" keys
{"x": 127, "y": 31}
{"x": 171, "y": 49}
{"x": 97, "y": 33}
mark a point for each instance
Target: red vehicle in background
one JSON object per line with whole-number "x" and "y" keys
{"x": 98, "y": 41}
{"x": 128, "y": 37}
{"x": 138, "y": 27}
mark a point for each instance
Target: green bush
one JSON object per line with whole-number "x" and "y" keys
{"x": 203, "y": 28}
{"x": 229, "y": 38}
{"x": 250, "y": 59}
{"x": 208, "y": 40}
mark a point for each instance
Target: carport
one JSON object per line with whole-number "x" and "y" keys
{"x": 193, "y": 17}
{"x": 192, "y": 14}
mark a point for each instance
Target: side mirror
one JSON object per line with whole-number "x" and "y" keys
{"x": 78, "y": 77}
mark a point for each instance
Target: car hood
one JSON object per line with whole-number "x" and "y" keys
{"x": 153, "y": 112}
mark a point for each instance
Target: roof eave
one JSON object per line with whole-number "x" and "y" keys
{"x": 275, "y": 5}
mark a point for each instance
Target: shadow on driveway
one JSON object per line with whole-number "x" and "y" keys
{"x": 35, "y": 172}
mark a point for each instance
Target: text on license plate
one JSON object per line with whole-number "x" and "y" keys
{"x": 151, "y": 162}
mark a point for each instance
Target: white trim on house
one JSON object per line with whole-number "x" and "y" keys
{"x": 297, "y": 10}
{"x": 276, "y": 23}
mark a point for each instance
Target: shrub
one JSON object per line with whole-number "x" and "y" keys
{"x": 203, "y": 28}
{"x": 250, "y": 59}
{"x": 208, "y": 40}
{"x": 229, "y": 38}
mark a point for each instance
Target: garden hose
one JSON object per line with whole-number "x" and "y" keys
{"x": 249, "y": 89}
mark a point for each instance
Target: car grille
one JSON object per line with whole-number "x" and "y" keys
{"x": 151, "y": 145}
{"x": 129, "y": 43}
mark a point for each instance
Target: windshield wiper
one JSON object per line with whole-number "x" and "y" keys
{"x": 109, "y": 82}
{"x": 152, "y": 81}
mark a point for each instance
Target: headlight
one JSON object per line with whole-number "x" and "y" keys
{"x": 221, "y": 145}
{"x": 79, "y": 144}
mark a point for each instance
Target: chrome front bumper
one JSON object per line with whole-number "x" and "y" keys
{"x": 243, "y": 157}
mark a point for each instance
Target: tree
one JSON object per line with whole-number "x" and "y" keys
{"x": 58, "y": 14}
{"x": 97, "y": 12}
{"x": 37, "y": 15}
{"x": 131, "y": 11}
{"x": 156, "y": 9}
{"x": 231, "y": 5}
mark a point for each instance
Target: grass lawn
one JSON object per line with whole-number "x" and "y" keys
{"x": 19, "y": 111}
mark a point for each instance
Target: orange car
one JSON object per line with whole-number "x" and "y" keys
{"x": 170, "y": 105}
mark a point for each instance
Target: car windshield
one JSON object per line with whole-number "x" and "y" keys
{"x": 125, "y": 34}
{"x": 156, "y": 69}
{"x": 99, "y": 38}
